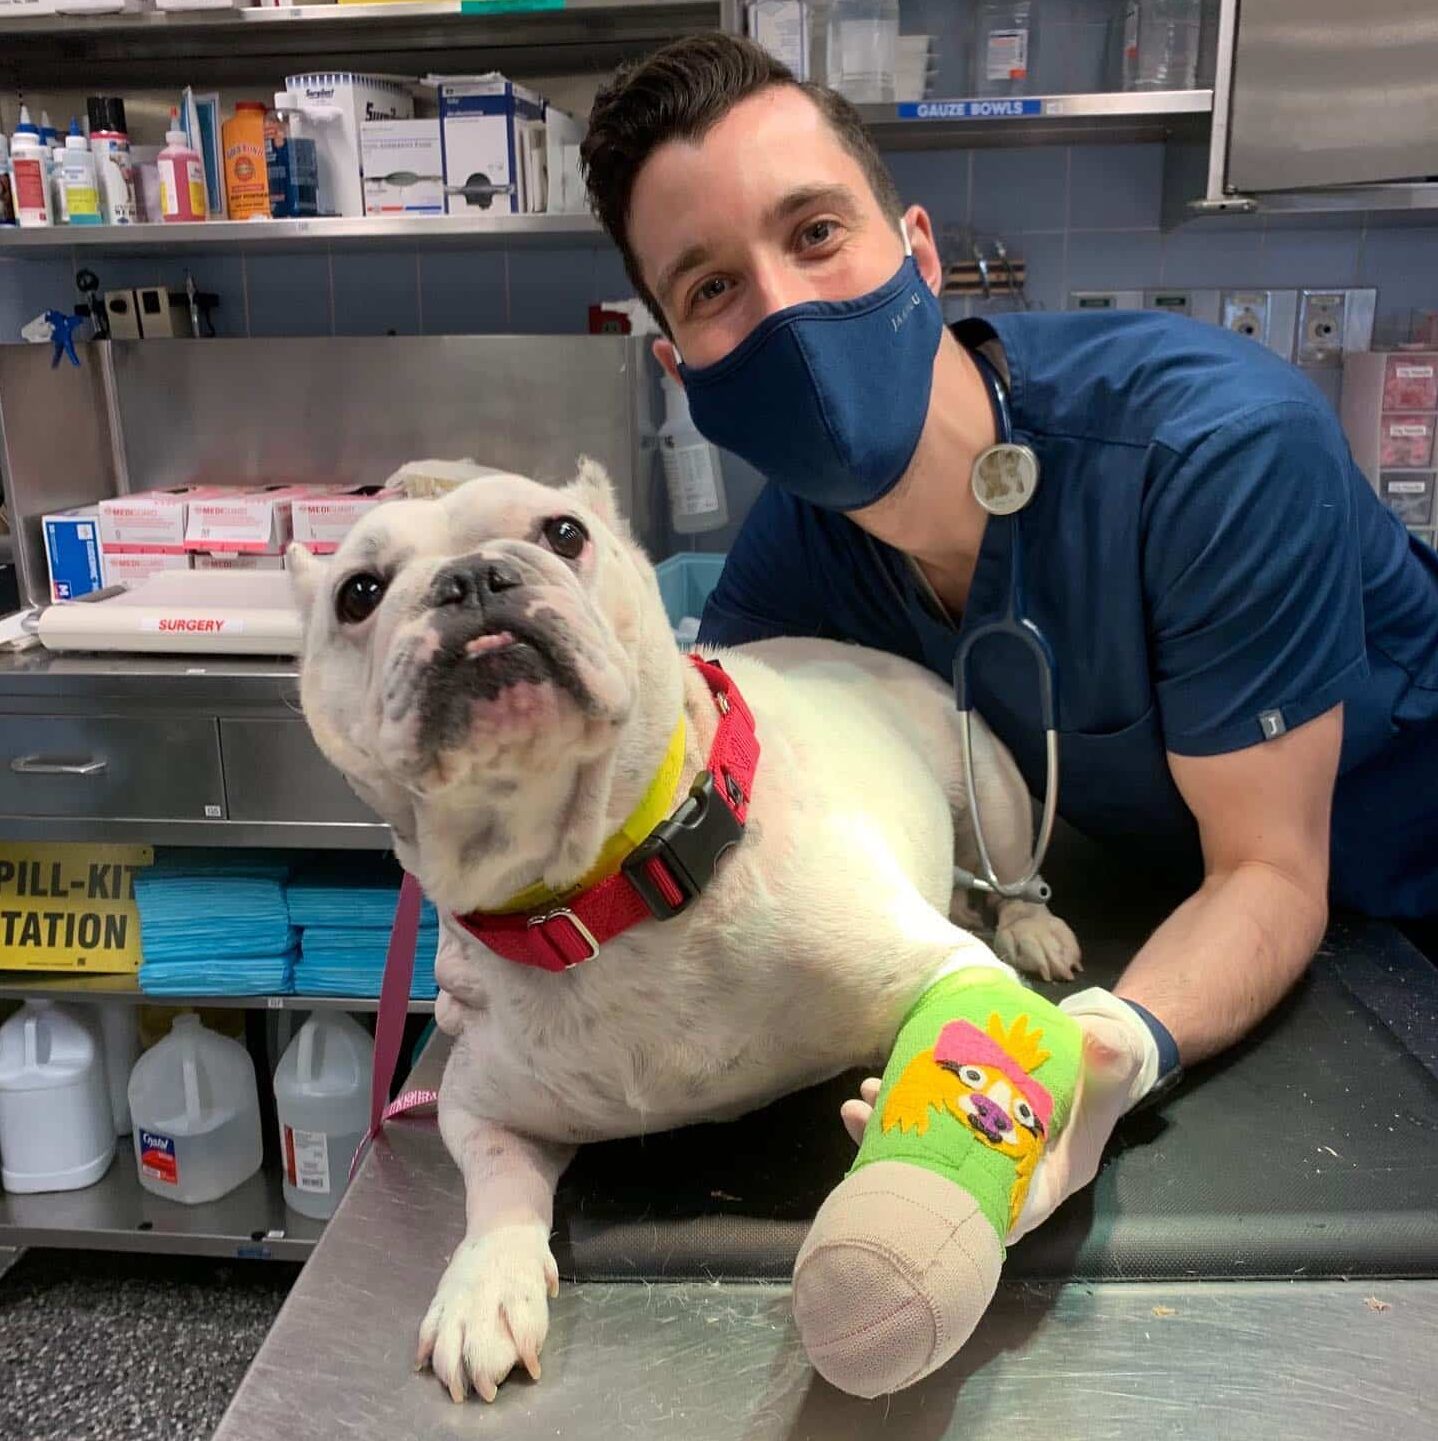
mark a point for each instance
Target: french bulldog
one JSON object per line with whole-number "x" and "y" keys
{"x": 495, "y": 674}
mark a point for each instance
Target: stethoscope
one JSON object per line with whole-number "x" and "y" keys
{"x": 1004, "y": 478}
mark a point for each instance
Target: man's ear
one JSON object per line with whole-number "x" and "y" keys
{"x": 924, "y": 246}
{"x": 306, "y": 572}
{"x": 668, "y": 357}
{"x": 593, "y": 489}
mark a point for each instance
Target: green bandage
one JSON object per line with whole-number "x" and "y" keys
{"x": 981, "y": 1080}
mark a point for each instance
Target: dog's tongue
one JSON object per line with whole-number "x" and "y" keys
{"x": 483, "y": 644}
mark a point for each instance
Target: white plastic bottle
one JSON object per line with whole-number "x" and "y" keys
{"x": 692, "y": 471}
{"x": 114, "y": 168}
{"x": 55, "y": 1124}
{"x": 862, "y": 49}
{"x": 196, "y": 1111}
{"x": 78, "y": 185}
{"x": 1003, "y": 49}
{"x": 59, "y": 200}
{"x": 30, "y": 174}
{"x": 322, "y": 1089}
{"x": 1160, "y": 44}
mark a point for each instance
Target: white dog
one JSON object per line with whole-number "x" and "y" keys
{"x": 495, "y": 674}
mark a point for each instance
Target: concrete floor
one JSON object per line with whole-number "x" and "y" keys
{"x": 128, "y": 1346}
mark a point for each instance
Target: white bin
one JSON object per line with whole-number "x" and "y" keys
{"x": 56, "y": 1130}
{"x": 322, "y": 1087}
{"x": 196, "y": 1111}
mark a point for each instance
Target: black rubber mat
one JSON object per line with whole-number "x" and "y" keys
{"x": 1311, "y": 1150}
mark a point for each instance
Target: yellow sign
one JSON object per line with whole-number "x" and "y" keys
{"x": 70, "y": 907}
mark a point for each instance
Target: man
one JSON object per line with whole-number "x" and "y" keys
{"x": 1246, "y": 640}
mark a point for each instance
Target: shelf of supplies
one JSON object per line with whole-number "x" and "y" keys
{"x": 1040, "y": 119}
{"x": 19, "y": 986}
{"x": 118, "y": 1214}
{"x": 440, "y": 232}
{"x": 36, "y": 48}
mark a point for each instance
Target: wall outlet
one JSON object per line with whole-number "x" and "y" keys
{"x": 1106, "y": 300}
{"x": 1321, "y": 326}
{"x": 1267, "y": 316}
{"x": 1198, "y": 304}
{"x": 1246, "y": 311}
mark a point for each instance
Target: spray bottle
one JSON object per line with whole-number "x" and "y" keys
{"x": 114, "y": 171}
{"x": 691, "y": 467}
{"x": 182, "y": 177}
{"x": 7, "y": 193}
{"x": 30, "y": 174}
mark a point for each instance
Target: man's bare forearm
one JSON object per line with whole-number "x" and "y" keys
{"x": 1226, "y": 957}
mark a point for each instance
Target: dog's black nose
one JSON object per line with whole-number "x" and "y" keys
{"x": 469, "y": 581}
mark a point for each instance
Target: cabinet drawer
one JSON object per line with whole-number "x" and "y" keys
{"x": 111, "y": 767}
{"x": 275, "y": 772}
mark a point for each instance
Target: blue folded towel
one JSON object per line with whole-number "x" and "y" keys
{"x": 358, "y": 893}
{"x": 183, "y": 917}
{"x": 350, "y": 961}
{"x": 235, "y": 976}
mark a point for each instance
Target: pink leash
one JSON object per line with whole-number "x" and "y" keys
{"x": 393, "y": 1008}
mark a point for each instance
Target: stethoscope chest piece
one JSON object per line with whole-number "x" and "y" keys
{"x": 1005, "y": 477}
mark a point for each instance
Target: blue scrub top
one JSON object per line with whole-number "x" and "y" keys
{"x": 1209, "y": 565}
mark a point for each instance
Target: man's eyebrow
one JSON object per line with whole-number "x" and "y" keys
{"x": 839, "y": 197}
{"x": 690, "y": 258}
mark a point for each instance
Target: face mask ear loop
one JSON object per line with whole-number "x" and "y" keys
{"x": 904, "y": 232}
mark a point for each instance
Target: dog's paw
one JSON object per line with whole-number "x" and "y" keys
{"x": 1034, "y": 940}
{"x": 491, "y": 1311}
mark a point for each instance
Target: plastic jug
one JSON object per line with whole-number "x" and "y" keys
{"x": 56, "y": 1132}
{"x": 322, "y": 1096}
{"x": 196, "y": 1111}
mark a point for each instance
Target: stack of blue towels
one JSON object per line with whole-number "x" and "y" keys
{"x": 215, "y": 923}
{"x": 344, "y": 910}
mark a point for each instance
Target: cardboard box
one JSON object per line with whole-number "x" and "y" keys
{"x": 403, "y": 167}
{"x": 562, "y": 136}
{"x": 239, "y": 562}
{"x": 72, "y": 548}
{"x": 242, "y": 522}
{"x": 321, "y": 522}
{"x": 152, "y": 522}
{"x": 70, "y": 907}
{"x": 492, "y": 136}
{"x": 129, "y": 568}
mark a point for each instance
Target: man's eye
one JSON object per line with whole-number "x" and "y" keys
{"x": 711, "y": 289}
{"x": 819, "y": 232}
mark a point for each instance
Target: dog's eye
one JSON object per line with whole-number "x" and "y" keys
{"x": 565, "y": 536}
{"x": 359, "y": 597}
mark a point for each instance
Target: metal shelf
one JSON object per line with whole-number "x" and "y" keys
{"x": 18, "y": 986}
{"x": 1041, "y": 119}
{"x": 224, "y": 45}
{"x": 118, "y": 1214}
{"x": 441, "y": 232}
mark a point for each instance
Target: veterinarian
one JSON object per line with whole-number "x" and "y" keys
{"x": 1245, "y": 639}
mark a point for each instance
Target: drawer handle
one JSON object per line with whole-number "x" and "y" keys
{"x": 39, "y": 766}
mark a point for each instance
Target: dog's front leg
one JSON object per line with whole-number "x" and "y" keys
{"x": 492, "y": 1306}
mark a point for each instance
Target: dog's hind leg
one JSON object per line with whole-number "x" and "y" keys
{"x": 491, "y": 1310}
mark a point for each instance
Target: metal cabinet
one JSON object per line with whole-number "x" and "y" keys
{"x": 275, "y": 774}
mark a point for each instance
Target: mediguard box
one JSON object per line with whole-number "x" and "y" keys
{"x": 72, "y": 547}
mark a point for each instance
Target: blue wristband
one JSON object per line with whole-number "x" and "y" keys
{"x": 1168, "y": 1058}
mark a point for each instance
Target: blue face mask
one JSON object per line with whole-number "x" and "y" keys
{"x": 827, "y": 399}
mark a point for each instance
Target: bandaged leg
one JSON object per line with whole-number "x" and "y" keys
{"x": 904, "y": 1255}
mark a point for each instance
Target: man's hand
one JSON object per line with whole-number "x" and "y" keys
{"x": 1120, "y": 1067}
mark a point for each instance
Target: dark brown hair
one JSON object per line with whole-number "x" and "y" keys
{"x": 680, "y": 93}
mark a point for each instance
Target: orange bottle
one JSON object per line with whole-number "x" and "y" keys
{"x": 247, "y": 184}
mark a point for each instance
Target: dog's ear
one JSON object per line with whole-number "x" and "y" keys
{"x": 305, "y": 571}
{"x": 592, "y": 488}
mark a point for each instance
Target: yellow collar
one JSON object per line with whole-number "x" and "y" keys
{"x": 656, "y": 803}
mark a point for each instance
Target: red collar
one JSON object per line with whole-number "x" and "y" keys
{"x": 667, "y": 870}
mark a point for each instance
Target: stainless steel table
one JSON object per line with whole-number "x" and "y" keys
{"x": 1314, "y": 1361}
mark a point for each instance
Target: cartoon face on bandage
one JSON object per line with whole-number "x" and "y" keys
{"x": 1001, "y": 1101}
